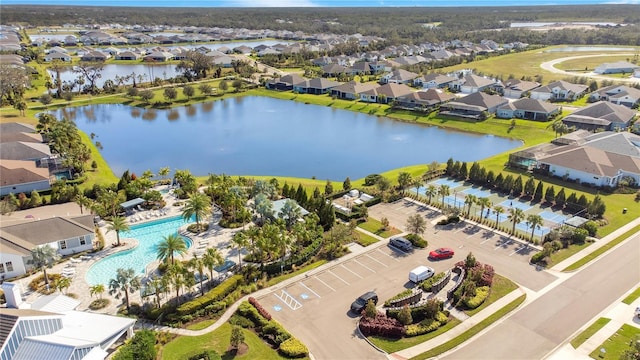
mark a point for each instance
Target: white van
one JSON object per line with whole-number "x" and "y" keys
{"x": 420, "y": 274}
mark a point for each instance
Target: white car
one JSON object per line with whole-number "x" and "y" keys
{"x": 638, "y": 312}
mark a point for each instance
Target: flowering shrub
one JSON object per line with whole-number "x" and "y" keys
{"x": 260, "y": 309}
{"x": 381, "y": 325}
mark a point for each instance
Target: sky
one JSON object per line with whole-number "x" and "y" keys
{"x": 313, "y": 3}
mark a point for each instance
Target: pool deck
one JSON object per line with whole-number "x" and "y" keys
{"x": 216, "y": 236}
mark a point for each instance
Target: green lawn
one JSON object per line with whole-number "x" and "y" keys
{"x": 617, "y": 343}
{"x": 632, "y": 297}
{"x": 501, "y": 286}
{"x": 472, "y": 331}
{"x": 588, "y": 332}
{"x": 374, "y": 226}
{"x": 284, "y": 277}
{"x": 202, "y": 324}
{"x": 576, "y": 265}
{"x": 563, "y": 254}
{"x": 393, "y": 345}
{"x": 185, "y": 346}
{"x": 364, "y": 239}
{"x": 590, "y": 63}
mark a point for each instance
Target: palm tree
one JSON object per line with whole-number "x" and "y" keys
{"x": 118, "y": 224}
{"x": 43, "y": 257}
{"x": 534, "y": 221}
{"x": 470, "y": 200}
{"x": 175, "y": 274}
{"x": 97, "y": 290}
{"x": 211, "y": 259}
{"x": 62, "y": 283}
{"x": 484, "y": 204}
{"x": 198, "y": 205}
{"x": 126, "y": 281}
{"x": 82, "y": 201}
{"x": 404, "y": 180}
{"x": 443, "y": 191}
{"x": 169, "y": 246}
{"x": 515, "y": 215}
{"x": 241, "y": 240}
{"x": 417, "y": 183}
{"x": 498, "y": 210}
{"x": 431, "y": 192}
{"x": 264, "y": 207}
{"x": 198, "y": 264}
{"x": 157, "y": 286}
{"x": 109, "y": 199}
{"x": 163, "y": 172}
{"x": 290, "y": 212}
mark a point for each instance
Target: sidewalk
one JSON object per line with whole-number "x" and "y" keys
{"x": 595, "y": 246}
{"x": 619, "y": 313}
{"x": 456, "y": 331}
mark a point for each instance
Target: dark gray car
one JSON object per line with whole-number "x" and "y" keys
{"x": 358, "y": 305}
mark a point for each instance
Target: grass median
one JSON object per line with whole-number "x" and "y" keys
{"x": 588, "y": 332}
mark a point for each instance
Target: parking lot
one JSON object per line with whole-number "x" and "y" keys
{"x": 316, "y": 309}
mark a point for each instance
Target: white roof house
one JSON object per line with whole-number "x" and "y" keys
{"x": 51, "y": 328}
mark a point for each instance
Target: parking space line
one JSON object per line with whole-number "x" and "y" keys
{"x": 306, "y": 287}
{"x": 484, "y": 241}
{"x": 289, "y": 300}
{"x": 383, "y": 253}
{"x": 325, "y": 284}
{"x": 522, "y": 247}
{"x": 349, "y": 270}
{"x": 507, "y": 242}
{"x": 376, "y": 260}
{"x": 339, "y": 278}
{"x": 363, "y": 265}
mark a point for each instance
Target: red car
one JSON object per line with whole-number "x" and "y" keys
{"x": 441, "y": 253}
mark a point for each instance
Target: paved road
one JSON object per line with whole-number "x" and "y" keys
{"x": 550, "y": 66}
{"x": 541, "y": 326}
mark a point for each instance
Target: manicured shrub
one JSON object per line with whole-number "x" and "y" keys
{"x": 237, "y": 319}
{"x": 481, "y": 295}
{"x": 381, "y": 325}
{"x": 141, "y": 347}
{"x": 442, "y": 317}
{"x": 216, "y": 294}
{"x": 250, "y": 312}
{"x": 260, "y": 309}
{"x": 399, "y": 296}
{"x": 276, "y": 331}
{"x": 293, "y": 348}
{"x": 423, "y": 327}
{"x": 207, "y": 355}
{"x": 538, "y": 257}
{"x": 405, "y": 316}
{"x": 427, "y": 284}
{"x": 487, "y": 275}
{"x": 417, "y": 241}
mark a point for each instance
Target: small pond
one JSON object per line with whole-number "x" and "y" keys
{"x": 590, "y": 48}
{"x": 264, "y": 136}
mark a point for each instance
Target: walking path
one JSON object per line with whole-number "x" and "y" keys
{"x": 550, "y": 66}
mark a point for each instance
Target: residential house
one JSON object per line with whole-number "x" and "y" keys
{"x": 619, "y": 67}
{"x": 472, "y": 83}
{"x": 317, "y": 86}
{"x": 159, "y": 56}
{"x": 70, "y": 40}
{"x": 433, "y": 80}
{"x": 399, "y": 76}
{"x": 279, "y": 204}
{"x": 530, "y": 109}
{"x": 473, "y": 106}
{"x": 243, "y": 49}
{"x": 68, "y": 235}
{"x": 128, "y": 55}
{"x": 95, "y": 55}
{"x": 64, "y": 57}
{"x": 617, "y": 94}
{"x": 224, "y": 61}
{"x": 362, "y": 68}
{"x": 20, "y": 150}
{"x": 284, "y": 83}
{"x": 22, "y": 176}
{"x": 333, "y": 70}
{"x": 12, "y": 59}
{"x": 601, "y": 159}
{"x": 352, "y": 90}
{"x": 386, "y": 93}
{"x": 225, "y": 49}
{"x": 601, "y": 116}
{"x": 559, "y": 90}
{"x": 515, "y": 89}
{"x": 423, "y": 100}
{"x": 53, "y": 328}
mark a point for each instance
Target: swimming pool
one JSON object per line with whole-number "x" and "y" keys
{"x": 148, "y": 236}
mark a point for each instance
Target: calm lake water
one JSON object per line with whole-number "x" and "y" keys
{"x": 110, "y": 71}
{"x": 264, "y": 136}
{"x": 590, "y": 48}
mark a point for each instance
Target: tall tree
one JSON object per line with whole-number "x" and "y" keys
{"x": 431, "y": 191}
{"x": 241, "y": 241}
{"x": 118, "y": 224}
{"x": 498, "y": 210}
{"x": 125, "y": 282}
{"x": 534, "y": 221}
{"x": 197, "y": 264}
{"x": 404, "y": 181}
{"x": 484, "y": 203}
{"x": 290, "y": 213}
{"x": 198, "y": 205}
{"x": 43, "y": 258}
{"x": 170, "y": 246}
{"x": 82, "y": 201}
{"x": 92, "y": 71}
{"x": 515, "y": 215}
{"x": 211, "y": 259}
{"x": 416, "y": 224}
{"x": 444, "y": 190}
{"x": 469, "y": 200}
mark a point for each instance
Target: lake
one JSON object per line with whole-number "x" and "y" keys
{"x": 255, "y": 135}
{"x": 110, "y": 71}
{"x": 590, "y": 48}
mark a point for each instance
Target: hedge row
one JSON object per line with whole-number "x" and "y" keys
{"x": 250, "y": 312}
{"x": 428, "y": 284}
{"x": 425, "y": 326}
{"x": 417, "y": 241}
{"x": 481, "y": 295}
{"x": 259, "y": 307}
{"x": 404, "y": 294}
{"x": 299, "y": 259}
{"x": 420, "y": 311}
{"x": 381, "y": 325}
{"x": 216, "y": 294}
